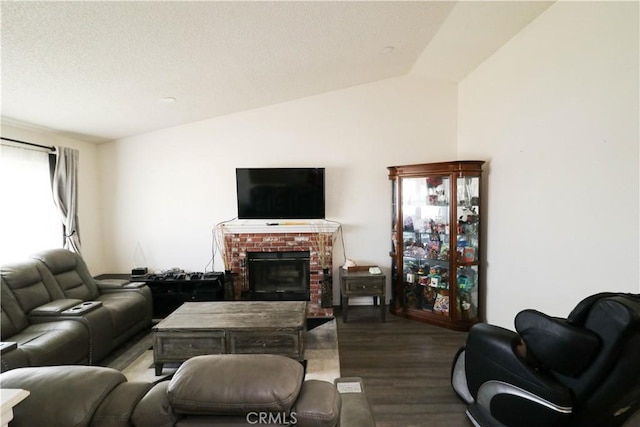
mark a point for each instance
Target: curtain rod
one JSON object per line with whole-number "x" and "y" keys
{"x": 47, "y": 147}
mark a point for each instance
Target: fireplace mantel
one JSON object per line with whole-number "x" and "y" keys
{"x": 261, "y": 226}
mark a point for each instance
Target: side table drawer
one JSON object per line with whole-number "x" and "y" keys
{"x": 364, "y": 286}
{"x": 285, "y": 343}
{"x": 181, "y": 346}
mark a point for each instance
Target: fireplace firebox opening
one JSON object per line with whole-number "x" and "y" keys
{"x": 279, "y": 276}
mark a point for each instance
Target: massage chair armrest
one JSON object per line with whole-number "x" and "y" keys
{"x": 54, "y": 308}
{"x": 356, "y": 410}
{"x": 491, "y": 356}
{"x": 556, "y": 344}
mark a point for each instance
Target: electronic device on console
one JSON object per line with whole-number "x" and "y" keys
{"x": 179, "y": 275}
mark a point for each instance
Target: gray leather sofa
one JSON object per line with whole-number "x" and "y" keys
{"x": 58, "y": 314}
{"x": 212, "y": 390}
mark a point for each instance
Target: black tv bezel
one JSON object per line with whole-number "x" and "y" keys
{"x": 317, "y": 215}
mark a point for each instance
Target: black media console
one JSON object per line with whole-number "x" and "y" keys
{"x": 170, "y": 290}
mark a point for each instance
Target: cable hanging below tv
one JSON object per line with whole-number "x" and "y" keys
{"x": 280, "y": 193}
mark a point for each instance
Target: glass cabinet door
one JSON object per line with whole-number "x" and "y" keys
{"x": 467, "y": 246}
{"x": 394, "y": 243}
{"x": 426, "y": 243}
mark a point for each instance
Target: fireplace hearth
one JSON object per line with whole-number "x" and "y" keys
{"x": 279, "y": 276}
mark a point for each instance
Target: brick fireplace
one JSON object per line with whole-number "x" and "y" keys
{"x": 246, "y": 238}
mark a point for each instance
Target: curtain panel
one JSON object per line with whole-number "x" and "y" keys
{"x": 65, "y": 194}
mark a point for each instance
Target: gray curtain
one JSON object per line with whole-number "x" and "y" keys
{"x": 65, "y": 194}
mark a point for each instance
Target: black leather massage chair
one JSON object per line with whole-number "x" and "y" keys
{"x": 582, "y": 371}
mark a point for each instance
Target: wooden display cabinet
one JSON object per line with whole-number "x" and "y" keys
{"x": 436, "y": 241}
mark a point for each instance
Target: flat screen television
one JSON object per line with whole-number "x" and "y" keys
{"x": 280, "y": 193}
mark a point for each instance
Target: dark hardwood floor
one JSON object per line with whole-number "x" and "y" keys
{"x": 405, "y": 366}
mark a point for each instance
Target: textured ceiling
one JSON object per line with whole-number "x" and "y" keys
{"x": 97, "y": 70}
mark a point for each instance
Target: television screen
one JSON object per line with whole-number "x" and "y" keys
{"x": 280, "y": 193}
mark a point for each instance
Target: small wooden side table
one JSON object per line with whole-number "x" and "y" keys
{"x": 359, "y": 283}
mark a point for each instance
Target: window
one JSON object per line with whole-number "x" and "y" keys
{"x": 29, "y": 220}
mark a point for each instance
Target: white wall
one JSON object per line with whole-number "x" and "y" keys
{"x": 166, "y": 190}
{"x": 555, "y": 113}
{"x": 89, "y": 212}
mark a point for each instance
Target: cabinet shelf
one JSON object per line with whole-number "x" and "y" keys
{"x": 468, "y": 264}
{"x": 435, "y": 242}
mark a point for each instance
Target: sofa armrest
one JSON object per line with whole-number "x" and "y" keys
{"x": 318, "y": 405}
{"x": 82, "y": 308}
{"x": 118, "y": 406}
{"x": 7, "y": 346}
{"x": 134, "y": 285}
{"x": 13, "y": 357}
{"x": 154, "y": 409}
{"x": 356, "y": 410}
{"x": 60, "y": 395}
{"x": 114, "y": 285}
{"x": 54, "y": 308}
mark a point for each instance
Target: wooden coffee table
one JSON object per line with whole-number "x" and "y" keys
{"x": 248, "y": 327}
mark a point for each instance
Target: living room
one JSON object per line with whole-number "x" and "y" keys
{"x": 555, "y": 104}
{"x": 553, "y": 111}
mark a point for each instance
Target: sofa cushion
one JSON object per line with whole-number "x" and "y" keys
{"x": 125, "y": 308}
{"x": 70, "y": 272}
{"x": 10, "y": 327}
{"x": 31, "y": 284}
{"x": 59, "y": 395}
{"x": 235, "y": 384}
{"x": 54, "y": 343}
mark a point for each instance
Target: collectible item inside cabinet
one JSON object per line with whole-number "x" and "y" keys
{"x": 435, "y": 241}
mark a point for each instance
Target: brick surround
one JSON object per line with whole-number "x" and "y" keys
{"x": 242, "y": 242}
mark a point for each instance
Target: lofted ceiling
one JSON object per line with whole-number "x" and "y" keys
{"x": 103, "y": 70}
